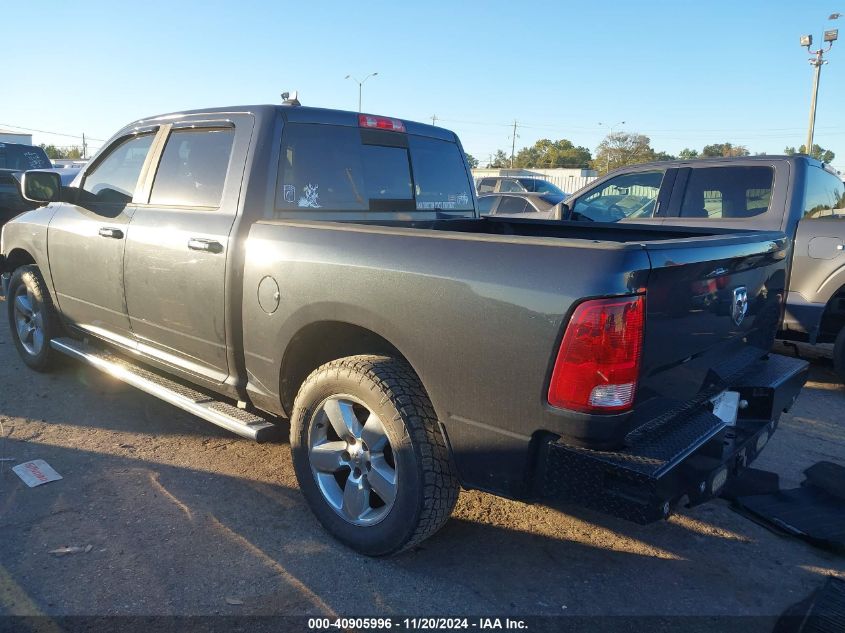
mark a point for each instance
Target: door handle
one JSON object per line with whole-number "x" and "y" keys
{"x": 201, "y": 244}
{"x": 115, "y": 234}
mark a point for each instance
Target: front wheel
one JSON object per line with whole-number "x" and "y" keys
{"x": 369, "y": 456}
{"x": 32, "y": 318}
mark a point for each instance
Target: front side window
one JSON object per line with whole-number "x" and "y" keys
{"x": 511, "y": 186}
{"x": 537, "y": 185}
{"x": 727, "y": 192}
{"x": 114, "y": 179}
{"x": 824, "y": 195}
{"x": 485, "y": 204}
{"x": 193, "y": 168}
{"x": 625, "y": 196}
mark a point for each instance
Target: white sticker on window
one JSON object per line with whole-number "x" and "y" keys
{"x": 290, "y": 194}
{"x": 463, "y": 199}
{"x": 309, "y": 197}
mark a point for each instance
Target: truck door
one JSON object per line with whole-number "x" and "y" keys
{"x": 86, "y": 239}
{"x": 178, "y": 241}
{"x": 818, "y": 260}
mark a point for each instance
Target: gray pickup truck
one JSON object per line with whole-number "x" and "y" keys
{"x": 262, "y": 263}
{"x": 795, "y": 194}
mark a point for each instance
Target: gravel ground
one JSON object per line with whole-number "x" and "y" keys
{"x": 186, "y": 519}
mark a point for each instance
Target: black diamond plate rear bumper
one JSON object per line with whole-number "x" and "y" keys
{"x": 686, "y": 458}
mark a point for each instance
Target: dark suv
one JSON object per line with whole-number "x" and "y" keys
{"x": 15, "y": 159}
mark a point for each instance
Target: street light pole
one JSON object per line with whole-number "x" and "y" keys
{"x": 360, "y": 86}
{"x": 817, "y": 61}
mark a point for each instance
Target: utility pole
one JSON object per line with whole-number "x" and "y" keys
{"x": 434, "y": 119}
{"x": 84, "y": 146}
{"x": 513, "y": 144}
{"x": 817, "y": 61}
{"x": 360, "y": 86}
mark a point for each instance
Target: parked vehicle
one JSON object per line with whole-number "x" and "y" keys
{"x": 253, "y": 263}
{"x": 513, "y": 184}
{"x": 16, "y": 158}
{"x": 795, "y": 194}
{"x": 538, "y": 206}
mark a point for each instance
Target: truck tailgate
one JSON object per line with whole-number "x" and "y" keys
{"x": 712, "y": 309}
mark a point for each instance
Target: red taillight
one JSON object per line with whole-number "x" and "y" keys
{"x": 599, "y": 358}
{"x": 381, "y": 123}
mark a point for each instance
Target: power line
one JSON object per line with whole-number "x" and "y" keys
{"x": 30, "y": 129}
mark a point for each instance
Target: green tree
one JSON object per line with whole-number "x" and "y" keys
{"x": 687, "y": 153}
{"x": 623, "y": 148}
{"x": 551, "y": 154}
{"x": 500, "y": 160}
{"x": 725, "y": 149}
{"x": 664, "y": 156}
{"x": 472, "y": 160}
{"x": 819, "y": 152}
{"x": 59, "y": 152}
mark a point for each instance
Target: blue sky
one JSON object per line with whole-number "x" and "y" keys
{"x": 684, "y": 73}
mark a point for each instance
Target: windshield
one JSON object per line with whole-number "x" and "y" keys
{"x": 540, "y": 186}
{"x": 336, "y": 168}
{"x": 23, "y": 157}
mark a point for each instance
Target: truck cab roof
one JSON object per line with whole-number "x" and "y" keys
{"x": 298, "y": 114}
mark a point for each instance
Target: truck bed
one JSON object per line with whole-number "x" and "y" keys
{"x": 479, "y": 309}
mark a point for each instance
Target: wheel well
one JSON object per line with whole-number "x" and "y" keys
{"x": 17, "y": 258}
{"x": 833, "y": 318}
{"x": 321, "y": 342}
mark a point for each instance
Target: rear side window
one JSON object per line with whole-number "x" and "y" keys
{"x": 487, "y": 185}
{"x": 338, "y": 168}
{"x": 513, "y": 204}
{"x": 193, "y": 168}
{"x": 114, "y": 179}
{"x": 824, "y": 195}
{"x": 727, "y": 192}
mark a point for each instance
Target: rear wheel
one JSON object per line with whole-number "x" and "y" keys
{"x": 839, "y": 355}
{"x": 32, "y": 318}
{"x": 369, "y": 456}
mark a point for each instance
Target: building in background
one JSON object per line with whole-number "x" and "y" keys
{"x": 7, "y": 136}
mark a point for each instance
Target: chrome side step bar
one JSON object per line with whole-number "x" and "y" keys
{"x": 223, "y": 414}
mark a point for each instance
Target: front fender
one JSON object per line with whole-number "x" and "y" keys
{"x": 25, "y": 235}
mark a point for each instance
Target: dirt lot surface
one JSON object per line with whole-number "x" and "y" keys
{"x": 184, "y": 518}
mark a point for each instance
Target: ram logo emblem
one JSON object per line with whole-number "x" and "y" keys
{"x": 740, "y": 304}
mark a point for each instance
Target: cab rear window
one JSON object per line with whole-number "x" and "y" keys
{"x": 23, "y": 157}
{"x": 336, "y": 168}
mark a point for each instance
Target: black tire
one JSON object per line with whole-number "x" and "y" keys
{"x": 839, "y": 355}
{"x": 28, "y": 282}
{"x": 426, "y": 487}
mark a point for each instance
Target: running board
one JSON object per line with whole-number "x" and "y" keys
{"x": 231, "y": 418}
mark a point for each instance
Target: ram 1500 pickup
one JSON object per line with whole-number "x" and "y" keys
{"x": 796, "y": 194}
{"x": 251, "y": 264}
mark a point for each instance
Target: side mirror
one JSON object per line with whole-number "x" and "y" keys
{"x": 41, "y": 186}
{"x": 564, "y": 212}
